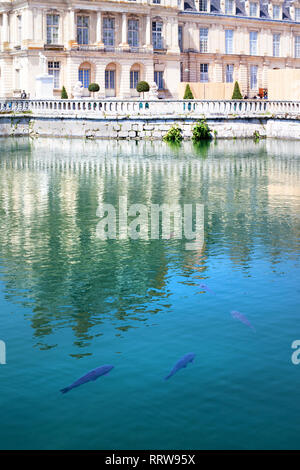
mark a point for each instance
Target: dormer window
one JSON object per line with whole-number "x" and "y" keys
{"x": 297, "y": 14}
{"x": 276, "y": 12}
{"x": 229, "y": 7}
{"x": 202, "y": 5}
{"x": 253, "y": 9}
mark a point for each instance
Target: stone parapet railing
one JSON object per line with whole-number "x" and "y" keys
{"x": 160, "y": 109}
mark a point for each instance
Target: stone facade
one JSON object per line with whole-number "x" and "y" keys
{"x": 117, "y": 43}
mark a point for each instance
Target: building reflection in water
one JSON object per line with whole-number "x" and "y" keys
{"x": 53, "y": 262}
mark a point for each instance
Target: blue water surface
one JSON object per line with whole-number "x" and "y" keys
{"x": 70, "y": 302}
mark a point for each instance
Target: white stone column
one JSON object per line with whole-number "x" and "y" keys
{"x": 99, "y": 28}
{"x": 173, "y": 45}
{"x": 72, "y": 27}
{"x": 168, "y": 34}
{"x": 124, "y": 30}
{"x": 100, "y": 78}
{"x": 28, "y": 24}
{"x": 38, "y": 26}
{"x": 148, "y": 31}
{"x": 124, "y": 91}
{"x": 5, "y": 28}
{"x": 265, "y": 74}
{"x": 243, "y": 77}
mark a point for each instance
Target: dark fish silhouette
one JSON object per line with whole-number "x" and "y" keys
{"x": 239, "y": 316}
{"x": 205, "y": 287}
{"x": 183, "y": 362}
{"x": 92, "y": 375}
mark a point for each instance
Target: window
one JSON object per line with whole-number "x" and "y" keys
{"x": 276, "y": 12}
{"x": 54, "y": 69}
{"x": 180, "y": 44}
{"x": 159, "y": 79}
{"x": 133, "y": 33}
{"x": 84, "y": 77}
{"x": 297, "y": 14}
{"x": 253, "y": 9}
{"x": 228, "y": 41}
{"x": 229, "y": 73}
{"x": 110, "y": 76}
{"x": 253, "y": 43}
{"x": 203, "y": 72}
{"x": 203, "y": 39}
{"x": 109, "y": 31}
{"x": 82, "y": 29}
{"x": 157, "y": 35}
{"x": 156, "y": 1}
{"x": 229, "y": 7}
{"x": 134, "y": 78}
{"x": 253, "y": 77}
{"x": 297, "y": 47}
{"x": 52, "y": 29}
{"x": 19, "y": 27}
{"x": 276, "y": 45}
{"x": 202, "y": 5}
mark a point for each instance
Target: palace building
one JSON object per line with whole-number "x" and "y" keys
{"x": 118, "y": 43}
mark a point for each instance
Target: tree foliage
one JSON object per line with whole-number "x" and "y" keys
{"x": 188, "y": 95}
{"x": 64, "y": 94}
{"x": 174, "y": 135}
{"x": 93, "y": 87}
{"x": 237, "y": 95}
{"x": 201, "y": 131}
{"x": 142, "y": 87}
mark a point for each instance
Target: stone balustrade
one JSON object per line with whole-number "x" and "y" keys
{"x": 161, "y": 109}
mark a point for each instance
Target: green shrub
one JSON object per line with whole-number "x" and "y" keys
{"x": 256, "y": 136}
{"x": 174, "y": 135}
{"x": 201, "y": 131}
{"x": 142, "y": 87}
{"x": 93, "y": 88}
{"x": 237, "y": 95}
{"x": 188, "y": 95}
{"x": 64, "y": 94}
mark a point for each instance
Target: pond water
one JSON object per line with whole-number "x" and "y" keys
{"x": 70, "y": 302}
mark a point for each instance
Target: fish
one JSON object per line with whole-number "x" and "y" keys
{"x": 205, "y": 287}
{"x": 239, "y": 316}
{"x": 183, "y": 362}
{"x": 91, "y": 375}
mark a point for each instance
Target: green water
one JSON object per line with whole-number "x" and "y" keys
{"x": 70, "y": 302}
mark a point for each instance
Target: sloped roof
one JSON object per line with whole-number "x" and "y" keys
{"x": 189, "y": 5}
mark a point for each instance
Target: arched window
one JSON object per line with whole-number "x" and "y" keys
{"x": 84, "y": 74}
{"x": 110, "y": 80}
{"x": 135, "y": 76}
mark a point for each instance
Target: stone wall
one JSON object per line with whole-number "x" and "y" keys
{"x": 151, "y": 129}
